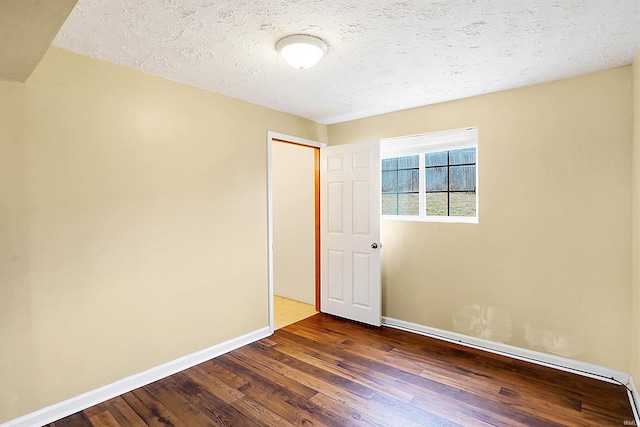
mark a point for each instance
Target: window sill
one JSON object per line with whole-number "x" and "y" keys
{"x": 444, "y": 219}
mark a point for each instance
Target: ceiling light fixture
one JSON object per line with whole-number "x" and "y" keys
{"x": 301, "y": 50}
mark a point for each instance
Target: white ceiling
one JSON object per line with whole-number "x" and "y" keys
{"x": 383, "y": 55}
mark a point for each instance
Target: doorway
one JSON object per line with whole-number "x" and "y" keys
{"x": 294, "y": 229}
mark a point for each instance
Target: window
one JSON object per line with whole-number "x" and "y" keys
{"x": 400, "y": 186}
{"x": 431, "y": 177}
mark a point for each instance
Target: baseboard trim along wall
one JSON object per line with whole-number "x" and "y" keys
{"x": 93, "y": 397}
{"x": 634, "y": 398}
{"x": 537, "y": 357}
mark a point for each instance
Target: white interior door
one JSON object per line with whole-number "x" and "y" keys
{"x": 350, "y": 279}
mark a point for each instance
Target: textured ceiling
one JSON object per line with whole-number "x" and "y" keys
{"x": 383, "y": 56}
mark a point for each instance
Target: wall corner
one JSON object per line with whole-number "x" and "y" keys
{"x": 634, "y": 357}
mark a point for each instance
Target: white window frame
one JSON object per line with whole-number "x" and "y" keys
{"x": 429, "y": 143}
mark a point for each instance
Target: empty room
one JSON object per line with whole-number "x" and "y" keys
{"x": 450, "y": 190}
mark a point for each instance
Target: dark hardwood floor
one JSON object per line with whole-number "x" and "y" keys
{"x": 325, "y": 371}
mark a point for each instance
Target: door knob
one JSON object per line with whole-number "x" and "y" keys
{"x": 374, "y": 246}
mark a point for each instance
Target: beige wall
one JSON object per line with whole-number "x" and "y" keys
{"x": 133, "y": 225}
{"x": 17, "y": 331}
{"x": 635, "y": 236}
{"x": 548, "y": 267}
{"x": 294, "y": 249}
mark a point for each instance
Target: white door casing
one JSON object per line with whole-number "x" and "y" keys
{"x": 351, "y": 284}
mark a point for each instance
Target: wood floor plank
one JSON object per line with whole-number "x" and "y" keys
{"x": 544, "y": 409}
{"x": 189, "y": 414}
{"x": 151, "y": 411}
{"x": 281, "y": 395}
{"x": 361, "y": 363}
{"x": 327, "y": 371}
{"x": 95, "y": 410}
{"x": 259, "y": 413}
{"x": 75, "y": 420}
{"x": 214, "y": 369}
{"x": 295, "y": 409}
{"x": 351, "y": 416}
{"x": 447, "y": 378}
{"x": 285, "y": 365}
{"x": 215, "y": 386}
{"x": 103, "y": 419}
{"x": 347, "y": 392}
{"x": 334, "y": 367}
{"x": 124, "y": 415}
{"x": 265, "y": 378}
{"x": 210, "y": 405}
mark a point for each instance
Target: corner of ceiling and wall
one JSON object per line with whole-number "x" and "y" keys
{"x": 27, "y": 28}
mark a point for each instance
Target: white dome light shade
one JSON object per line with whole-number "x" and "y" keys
{"x": 301, "y": 51}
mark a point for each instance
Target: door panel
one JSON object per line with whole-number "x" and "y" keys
{"x": 350, "y": 223}
{"x": 336, "y": 275}
{"x": 334, "y": 198}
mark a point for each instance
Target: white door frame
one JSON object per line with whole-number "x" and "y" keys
{"x": 286, "y": 138}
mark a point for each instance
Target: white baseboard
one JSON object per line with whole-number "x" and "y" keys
{"x": 93, "y": 397}
{"x": 569, "y": 365}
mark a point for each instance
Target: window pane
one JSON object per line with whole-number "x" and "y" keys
{"x": 408, "y": 181}
{"x": 436, "y": 159}
{"x": 390, "y": 164}
{"x": 408, "y": 204}
{"x": 390, "y": 182}
{"x": 437, "y": 204}
{"x": 463, "y": 204}
{"x": 436, "y": 179}
{"x": 408, "y": 162}
{"x": 462, "y": 178}
{"x": 458, "y": 157}
{"x": 390, "y": 204}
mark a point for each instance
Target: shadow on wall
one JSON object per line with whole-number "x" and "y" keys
{"x": 495, "y": 324}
